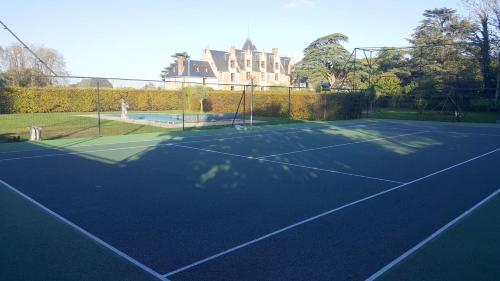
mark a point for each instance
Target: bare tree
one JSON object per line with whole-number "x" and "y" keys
{"x": 24, "y": 69}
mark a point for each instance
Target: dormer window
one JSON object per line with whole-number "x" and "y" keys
{"x": 231, "y": 63}
{"x": 276, "y": 66}
{"x": 248, "y": 63}
{"x": 197, "y": 68}
{"x": 206, "y": 68}
{"x": 262, "y": 64}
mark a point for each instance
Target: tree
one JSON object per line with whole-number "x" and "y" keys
{"x": 387, "y": 84}
{"x": 3, "y": 81}
{"x": 394, "y": 61}
{"x": 324, "y": 59}
{"x": 443, "y": 55}
{"x": 494, "y": 6}
{"x": 167, "y": 70}
{"x": 23, "y": 69}
{"x": 482, "y": 13}
{"x": 198, "y": 92}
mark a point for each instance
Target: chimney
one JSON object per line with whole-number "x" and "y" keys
{"x": 275, "y": 51}
{"x": 232, "y": 50}
{"x": 180, "y": 65}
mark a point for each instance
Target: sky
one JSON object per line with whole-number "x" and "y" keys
{"x": 137, "y": 38}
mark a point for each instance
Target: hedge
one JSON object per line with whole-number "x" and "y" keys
{"x": 304, "y": 105}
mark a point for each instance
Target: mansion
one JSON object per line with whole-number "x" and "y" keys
{"x": 231, "y": 69}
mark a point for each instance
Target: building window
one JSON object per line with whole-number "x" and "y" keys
{"x": 206, "y": 68}
{"x": 249, "y": 63}
{"x": 233, "y": 76}
{"x": 262, "y": 76}
{"x": 276, "y": 77}
{"x": 197, "y": 68}
{"x": 232, "y": 63}
{"x": 276, "y": 66}
{"x": 262, "y": 64}
{"x": 232, "y": 88}
{"x": 248, "y": 76}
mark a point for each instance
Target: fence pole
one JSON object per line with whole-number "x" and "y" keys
{"x": 98, "y": 105}
{"x": 183, "y": 106}
{"x": 289, "y": 103}
{"x": 244, "y": 104}
{"x": 251, "y": 105}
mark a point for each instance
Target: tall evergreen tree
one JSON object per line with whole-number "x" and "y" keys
{"x": 324, "y": 59}
{"x": 443, "y": 54}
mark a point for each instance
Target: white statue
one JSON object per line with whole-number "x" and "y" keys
{"x": 124, "y": 107}
{"x": 35, "y": 133}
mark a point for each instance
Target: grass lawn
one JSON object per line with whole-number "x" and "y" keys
{"x": 412, "y": 114}
{"x": 58, "y": 125}
{"x": 69, "y": 124}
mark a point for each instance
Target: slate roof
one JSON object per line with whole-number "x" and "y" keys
{"x": 192, "y": 70}
{"x": 221, "y": 60}
{"x": 92, "y": 83}
{"x": 285, "y": 63}
{"x": 249, "y": 45}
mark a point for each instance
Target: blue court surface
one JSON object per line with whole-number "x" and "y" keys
{"x": 313, "y": 201}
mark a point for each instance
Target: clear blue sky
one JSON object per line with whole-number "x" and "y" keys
{"x": 136, "y": 38}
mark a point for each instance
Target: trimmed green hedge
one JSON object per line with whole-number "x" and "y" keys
{"x": 304, "y": 105}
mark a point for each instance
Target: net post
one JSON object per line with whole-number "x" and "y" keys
{"x": 98, "y": 107}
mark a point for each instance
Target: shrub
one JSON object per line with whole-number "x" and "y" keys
{"x": 304, "y": 105}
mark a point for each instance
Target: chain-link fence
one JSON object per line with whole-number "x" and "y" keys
{"x": 90, "y": 106}
{"x": 452, "y": 105}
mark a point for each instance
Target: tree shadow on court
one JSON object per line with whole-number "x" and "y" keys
{"x": 181, "y": 196}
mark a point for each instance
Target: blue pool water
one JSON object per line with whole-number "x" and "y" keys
{"x": 177, "y": 118}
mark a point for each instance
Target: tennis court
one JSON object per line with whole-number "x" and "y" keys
{"x": 303, "y": 201}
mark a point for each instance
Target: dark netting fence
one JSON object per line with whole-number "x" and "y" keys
{"x": 473, "y": 105}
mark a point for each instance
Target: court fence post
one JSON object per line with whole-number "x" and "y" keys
{"x": 183, "y": 105}
{"x": 251, "y": 105}
{"x": 98, "y": 107}
{"x": 289, "y": 103}
{"x": 244, "y": 105}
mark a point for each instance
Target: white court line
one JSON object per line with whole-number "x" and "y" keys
{"x": 249, "y": 134}
{"x": 213, "y": 151}
{"x": 146, "y": 146}
{"x": 133, "y": 147}
{"x": 442, "y": 132}
{"x": 330, "y": 171}
{"x": 85, "y": 233}
{"x": 339, "y": 145}
{"x": 428, "y": 239}
{"x": 260, "y": 131}
{"x": 288, "y": 164}
{"x": 230, "y": 250}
